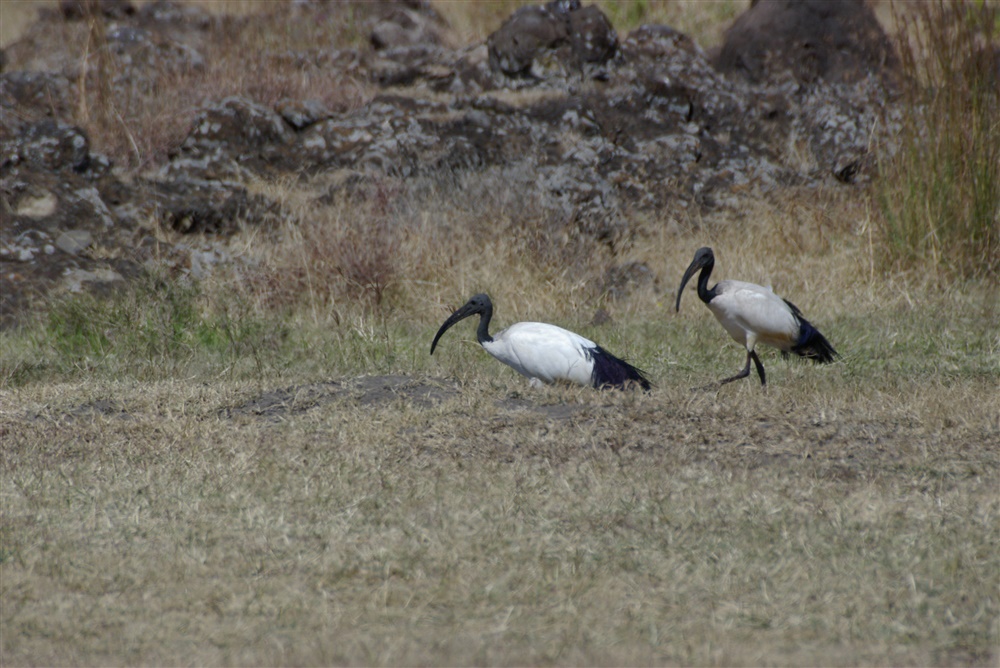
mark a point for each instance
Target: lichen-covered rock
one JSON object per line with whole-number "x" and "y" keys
{"x": 29, "y": 97}
{"x": 404, "y": 27}
{"x": 230, "y": 137}
{"x": 528, "y": 31}
{"x": 51, "y": 145}
{"x": 839, "y": 123}
{"x": 141, "y": 57}
{"x": 50, "y": 218}
{"x": 300, "y": 114}
{"x": 591, "y": 35}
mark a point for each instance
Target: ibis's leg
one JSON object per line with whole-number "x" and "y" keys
{"x": 760, "y": 367}
{"x": 745, "y": 372}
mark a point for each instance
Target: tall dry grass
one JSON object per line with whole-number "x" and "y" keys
{"x": 137, "y": 115}
{"x": 939, "y": 195}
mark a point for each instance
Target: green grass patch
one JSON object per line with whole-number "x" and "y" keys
{"x": 153, "y": 329}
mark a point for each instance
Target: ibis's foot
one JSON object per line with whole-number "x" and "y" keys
{"x": 746, "y": 370}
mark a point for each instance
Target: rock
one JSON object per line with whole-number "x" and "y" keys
{"x": 74, "y": 10}
{"x": 39, "y": 205}
{"x": 528, "y": 31}
{"x": 50, "y": 145}
{"x": 576, "y": 133}
{"x": 301, "y": 115}
{"x": 560, "y": 37}
{"x": 406, "y": 27}
{"x": 228, "y": 139}
{"x": 839, "y": 121}
{"x": 809, "y": 40}
{"x": 27, "y": 98}
{"x": 592, "y": 36}
{"x": 74, "y": 241}
{"x": 205, "y": 206}
{"x": 136, "y": 48}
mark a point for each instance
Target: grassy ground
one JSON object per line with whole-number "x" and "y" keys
{"x": 838, "y": 518}
{"x": 171, "y": 498}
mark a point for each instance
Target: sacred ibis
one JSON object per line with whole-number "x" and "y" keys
{"x": 546, "y": 353}
{"x": 753, "y": 314}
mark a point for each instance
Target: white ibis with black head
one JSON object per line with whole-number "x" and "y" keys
{"x": 753, "y": 314}
{"x": 546, "y": 353}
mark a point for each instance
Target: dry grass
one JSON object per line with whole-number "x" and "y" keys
{"x": 137, "y": 114}
{"x": 782, "y": 528}
{"x": 939, "y": 195}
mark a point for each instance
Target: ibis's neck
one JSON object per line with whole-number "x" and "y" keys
{"x": 483, "y": 331}
{"x": 704, "y": 294}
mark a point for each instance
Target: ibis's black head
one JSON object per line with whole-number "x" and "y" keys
{"x": 480, "y": 304}
{"x": 704, "y": 258}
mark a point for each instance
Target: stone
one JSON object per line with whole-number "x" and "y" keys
{"x": 74, "y": 241}
{"x": 41, "y": 205}
{"x": 406, "y": 27}
{"x": 809, "y": 40}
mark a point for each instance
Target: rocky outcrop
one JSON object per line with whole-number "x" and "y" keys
{"x": 594, "y": 127}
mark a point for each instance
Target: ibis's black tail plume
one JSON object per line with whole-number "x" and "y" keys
{"x": 609, "y": 371}
{"x": 813, "y": 345}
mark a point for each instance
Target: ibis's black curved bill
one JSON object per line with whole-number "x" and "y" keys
{"x": 478, "y": 304}
{"x": 703, "y": 257}
{"x": 452, "y": 319}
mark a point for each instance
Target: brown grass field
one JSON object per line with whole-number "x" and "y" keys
{"x": 269, "y": 468}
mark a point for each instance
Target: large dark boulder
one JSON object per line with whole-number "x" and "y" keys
{"x": 838, "y": 41}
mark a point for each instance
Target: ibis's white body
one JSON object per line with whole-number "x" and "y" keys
{"x": 753, "y": 314}
{"x": 544, "y": 353}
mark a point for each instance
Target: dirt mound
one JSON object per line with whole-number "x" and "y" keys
{"x": 364, "y": 391}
